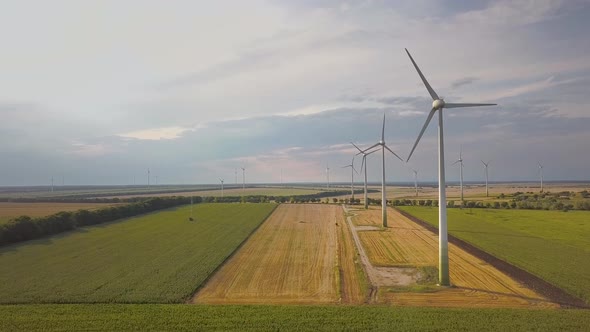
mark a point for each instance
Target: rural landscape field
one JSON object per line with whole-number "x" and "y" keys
{"x": 295, "y": 165}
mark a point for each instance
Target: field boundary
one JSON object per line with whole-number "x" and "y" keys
{"x": 532, "y": 281}
{"x": 190, "y": 299}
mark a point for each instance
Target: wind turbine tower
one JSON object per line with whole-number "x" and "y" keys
{"x": 460, "y": 162}
{"x": 541, "y": 174}
{"x": 221, "y": 180}
{"x": 486, "y": 168}
{"x": 352, "y": 170}
{"x": 383, "y": 191}
{"x": 364, "y": 163}
{"x": 438, "y": 104}
{"x": 415, "y": 181}
{"x": 52, "y": 184}
{"x": 243, "y": 180}
{"x": 148, "y": 175}
{"x": 327, "y": 177}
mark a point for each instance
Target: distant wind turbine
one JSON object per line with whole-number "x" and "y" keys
{"x": 460, "y": 162}
{"x": 221, "y": 180}
{"x": 52, "y": 184}
{"x": 352, "y": 170}
{"x": 438, "y": 104}
{"x": 383, "y": 191}
{"x": 541, "y": 174}
{"x": 486, "y": 167}
{"x": 243, "y": 179}
{"x": 327, "y": 177}
{"x": 415, "y": 181}
{"x": 148, "y": 175}
{"x": 364, "y": 163}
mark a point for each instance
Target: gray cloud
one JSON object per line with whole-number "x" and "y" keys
{"x": 463, "y": 81}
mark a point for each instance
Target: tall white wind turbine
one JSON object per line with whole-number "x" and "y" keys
{"x": 486, "y": 167}
{"x": 438, "y": 104}
{"x": 383, "y": 191}
{"x": 541, "y": 174}
{"x": 415, "y": 181}
{"x": 364, "y": 163}
{"x": 460, "y": 162}
{"x": 352, "y": 170}
{"x": 221, "y": 180}
{"x": 243, "y": 180}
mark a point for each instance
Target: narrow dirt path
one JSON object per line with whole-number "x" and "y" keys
{"x": 379, "y": 276}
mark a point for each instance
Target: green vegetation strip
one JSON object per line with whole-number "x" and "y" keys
{"x": 156, "y": 258}
{"x": 550, "y": 244}
{"x": 274, "y": 318}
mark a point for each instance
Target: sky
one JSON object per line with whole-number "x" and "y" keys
{"x": 97, "y": 92}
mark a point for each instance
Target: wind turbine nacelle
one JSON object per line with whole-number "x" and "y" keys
{"x": 438, "y": 104}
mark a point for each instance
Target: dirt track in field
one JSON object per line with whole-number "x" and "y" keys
{"x": 475, "y": 283}
{"x": 292, "y": 258}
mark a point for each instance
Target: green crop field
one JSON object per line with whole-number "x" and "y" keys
{"x": 160, "y": 257}
{"x": 170, "y": 317}
{"x": 553, "y": 245}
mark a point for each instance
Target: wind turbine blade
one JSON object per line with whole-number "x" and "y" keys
{"x": 383, "y": 130}
{"x": 363, "y": 162}
{"x": 360, "y": 151}
{"x": 354, "y": 169}
{"x": 369, "y": 148}
{"x": 430, "y": 115}
{"x": 486, "y": 165}
{"x": 455, "y": 162}
{"x": 428, "y": 87}
{"x": 395, "y": 154}
{"x": 368, "y": 153}
{"x": 457, "y": 105}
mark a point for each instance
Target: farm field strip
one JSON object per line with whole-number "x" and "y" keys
{"x": 9, "y": 210}
{"x": 550, "y": 244}
{"x": 470, "y": 276}
{"x": 172, "y": 317}
{"x": 292, "y": 258}
{"x": 159, "y": 257}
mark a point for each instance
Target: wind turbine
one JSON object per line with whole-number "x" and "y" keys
{"x": 364, "y": 163}
{"x": 486, "y": 167}
{"x": 236, "y": 173}
{"x": 243, "y": 179}
{"x": 438, "y": 104}
{"x": 221, "y": 180}
{"x": 541, "y": 174}
{"x": 383, "y": 194}
{"x": 352, "y": 170}
{"x": 415, "y": 181}
{"x": 327, "y": 177}
{"x": 148, "y": 178}
{"x": 460, "y": 161}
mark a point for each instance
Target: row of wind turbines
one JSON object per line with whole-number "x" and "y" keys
{"x": 438, "y": 105}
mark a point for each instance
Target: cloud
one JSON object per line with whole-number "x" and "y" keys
{"x": 156, "y": 133}
{"x": 463, "y": 81}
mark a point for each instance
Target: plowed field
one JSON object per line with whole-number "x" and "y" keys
{"x": 292, "y": 258}
{"x": 474, "y": 281}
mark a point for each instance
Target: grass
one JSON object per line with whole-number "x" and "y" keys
{"x": 553, "y": 245}
{"x": 171, "y": 317}
{"x": 159, "y": 258}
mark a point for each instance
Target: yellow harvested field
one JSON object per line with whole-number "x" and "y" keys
{"x": 291, "y": 258}
{"x": 475, "y": 282}
{"x": 11, "y": 210}
{"x": 353, "y": 282}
